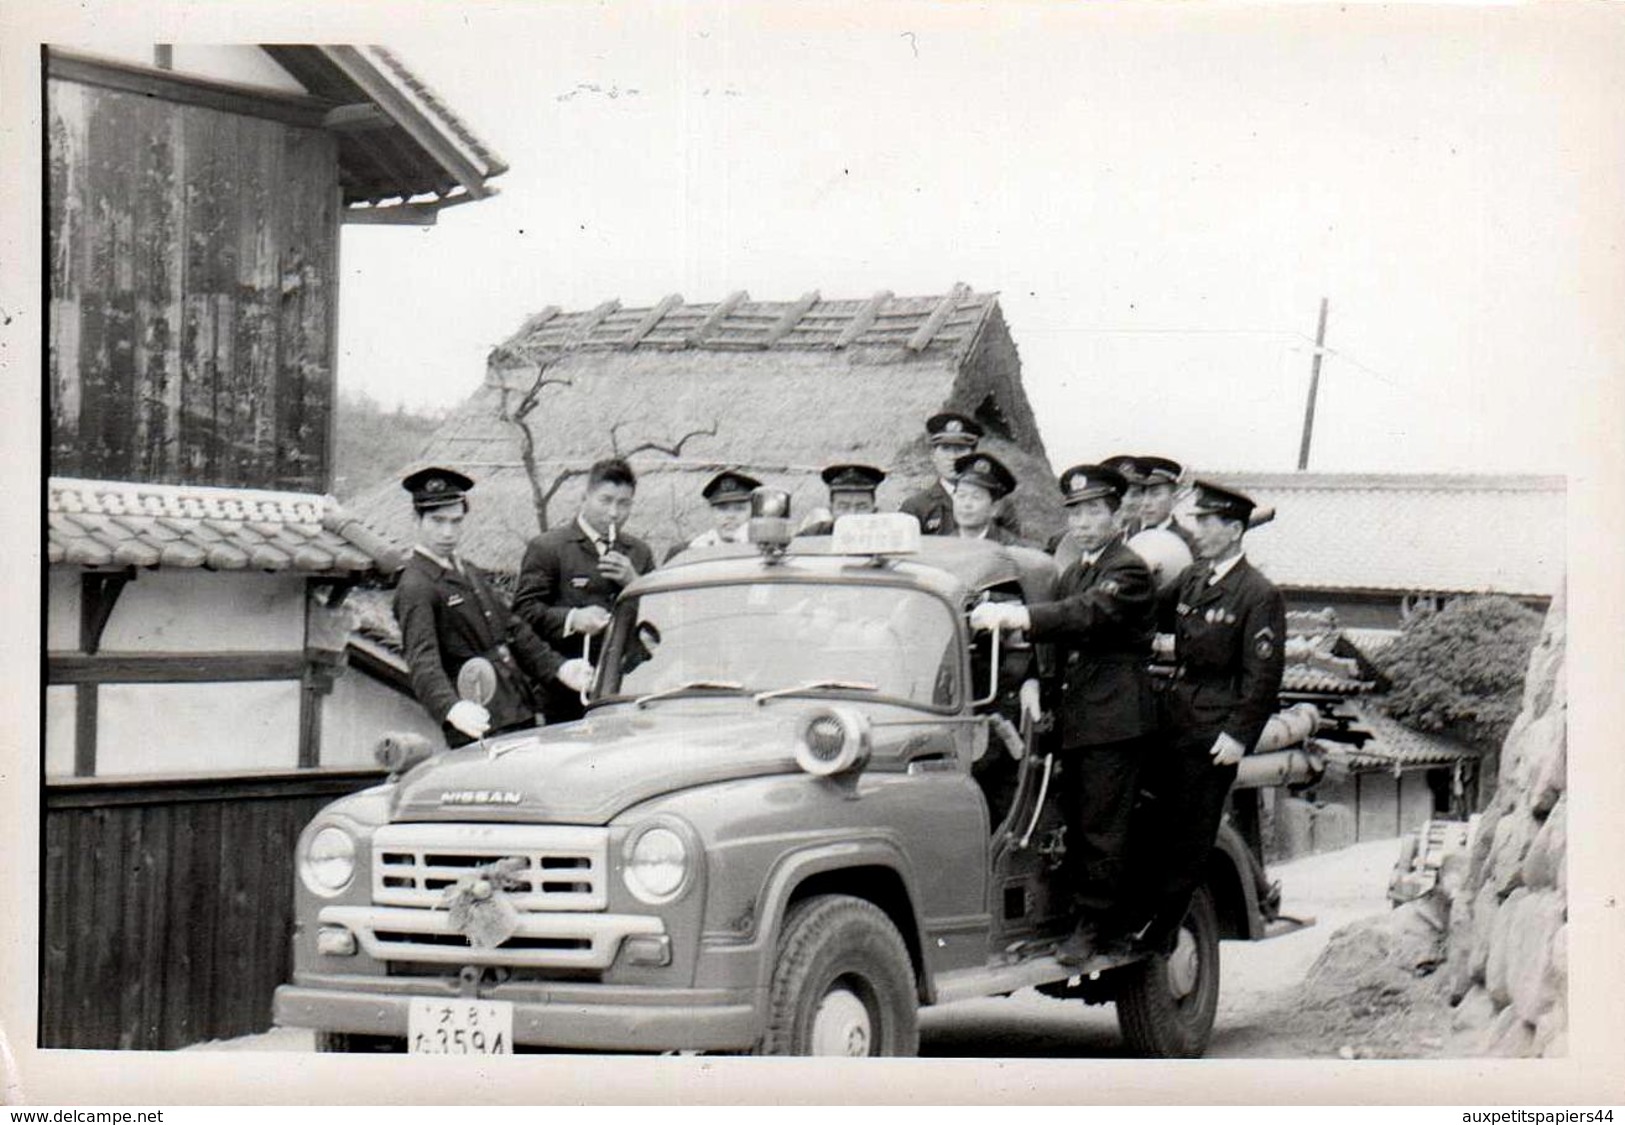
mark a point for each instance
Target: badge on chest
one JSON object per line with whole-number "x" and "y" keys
{"x": 580, "y": 581}
{"x": 454, "y": 601}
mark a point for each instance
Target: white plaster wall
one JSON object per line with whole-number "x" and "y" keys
{"x": 60, "y": 714}
{"x": 204, "y": 611}
{"x": 358, "y": 711}
{"x": 197, "y": 728}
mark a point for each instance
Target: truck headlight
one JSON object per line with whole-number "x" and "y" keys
{"x": 656, "y": 867}
{"x": 328, "y": 862}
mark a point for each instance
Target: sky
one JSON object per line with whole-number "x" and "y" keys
{"x": 1160, "y": 197}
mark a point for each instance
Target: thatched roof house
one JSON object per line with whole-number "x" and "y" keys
{"x": 779, "y": 389}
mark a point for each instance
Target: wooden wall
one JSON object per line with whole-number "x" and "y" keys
{"x": 168, "y": 906}
{"x": 193, "y": 281}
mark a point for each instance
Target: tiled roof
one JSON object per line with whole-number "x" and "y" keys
{"x": 946, "y": 322}
{"x": 1405, "y": 533}
{"x": 126, "y": 523}
{"x": 1394, "y": 746}
{"x": 1310, "y": 679}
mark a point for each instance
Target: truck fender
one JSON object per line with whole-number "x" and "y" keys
{"x": 795, "y": 868}
{"x": 1229, "y": 879}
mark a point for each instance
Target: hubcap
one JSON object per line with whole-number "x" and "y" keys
{"x": 1184, "y": 966}
{"x": 841, "y": 1025}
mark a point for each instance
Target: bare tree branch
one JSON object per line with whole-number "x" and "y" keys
{"x": 519, "y": 416}
{"x": 673, "y": 450}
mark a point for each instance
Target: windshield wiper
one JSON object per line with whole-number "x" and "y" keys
{"x": 813, "y": 685}
{"x": 691, "y": 685}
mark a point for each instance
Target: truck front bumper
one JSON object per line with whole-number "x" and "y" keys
{"x": 590, "y": 1017}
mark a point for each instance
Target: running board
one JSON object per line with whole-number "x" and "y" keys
{"x": 1285, "y": 924}
{"x": 996, "y": 980}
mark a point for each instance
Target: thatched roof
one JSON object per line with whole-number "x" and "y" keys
{"x": 777, "y": 388}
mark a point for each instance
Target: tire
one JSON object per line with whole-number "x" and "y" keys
{"x": 350, "y": 1042}
{"x": 842, "y": 984}
{"x": 1166, "y": 1003}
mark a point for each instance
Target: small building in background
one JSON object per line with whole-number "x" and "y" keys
{"x": 779, "y": 389}
{"x": 200, "y": 704}
{"x": 1382, "y": 778}
{"x": 1376, "y": 546}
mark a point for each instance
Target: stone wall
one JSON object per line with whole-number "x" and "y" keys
{"x": 1507, "y": 960}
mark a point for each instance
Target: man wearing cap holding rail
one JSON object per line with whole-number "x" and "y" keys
{"x": 1101, "y": 623}
{"x": 572, "y": 574}
{"x": 851, "y": 493}
{"x": 951, "y": 437}
{"x": 1229, "y": 629}
{"x": 448, "y": 614}
{"x": 728, "y": 493}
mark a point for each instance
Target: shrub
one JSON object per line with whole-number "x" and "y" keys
{"x": 1460, "y": 670}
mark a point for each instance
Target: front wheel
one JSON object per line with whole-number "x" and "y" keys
{"x": 1166, "y": 1003}
{"x": 843, "y": 983}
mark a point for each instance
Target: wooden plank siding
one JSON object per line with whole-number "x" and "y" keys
{"x": 168, "y": 905}
{"x": 193, "y": 270}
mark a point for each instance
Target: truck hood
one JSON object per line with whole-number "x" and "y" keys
{"x": 588, "y": 771}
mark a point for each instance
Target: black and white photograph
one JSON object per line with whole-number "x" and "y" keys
{"x": 1044, "y": 540}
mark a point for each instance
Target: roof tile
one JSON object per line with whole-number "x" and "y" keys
{"x": 126, "y": 523}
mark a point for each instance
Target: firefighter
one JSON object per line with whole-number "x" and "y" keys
{"x": 728, "y": 493}
{"x": 1101, "y": 623}
{"x": 951, "y": 436}
{"x": 851, "y": 493}
{"x": 981, "y": 482}
{"x": 448, "y": 614}
{"x": 1229, "y": 630}
{"x": 571, "y": 575}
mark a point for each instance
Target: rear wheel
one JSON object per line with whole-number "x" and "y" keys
{"x": 843, "y": 983}
{"x": 1166, "y": 1003}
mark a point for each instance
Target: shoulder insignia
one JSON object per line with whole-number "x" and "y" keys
{"x": 1264, "y": 647}
{"x": 1110, "y": 586}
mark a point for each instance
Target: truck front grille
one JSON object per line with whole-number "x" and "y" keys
{"x": 555, "y": 867}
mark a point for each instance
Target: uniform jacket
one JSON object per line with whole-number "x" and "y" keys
{"x": 1102, "y": 622}
{"x": 1229, "y": 639}
{"x": 934, "y": 508}
{"x": 560, "y": 573}
{"x": 447, "y": 617}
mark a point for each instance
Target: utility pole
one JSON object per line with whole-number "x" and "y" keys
{"x": 1314, "y": 388}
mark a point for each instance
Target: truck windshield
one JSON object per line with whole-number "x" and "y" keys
{"x": 882, "y": 642}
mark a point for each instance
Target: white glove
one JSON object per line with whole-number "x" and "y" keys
{"x": 575, "y": 674}
{"x": 998, "y": 615}
{"x": 1030, "y": 708}
{"x": 588, "y": 620}
{"x": 469, "y": 717}
{"x": 1226, "y": 751}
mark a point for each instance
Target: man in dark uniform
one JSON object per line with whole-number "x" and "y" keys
{"x": 728, "y": 493}
{"x": 1229, "y": 627}
{"x": 1101, "y": 623}
{"x": 449, "y": 614}
{"x": 951, "y": 436}
{"x": 572, "y": 574}
{"x": 1128, "y": 516}
{"x": 851, "y": 493}
{"x": 981, "y": 481}
{"x": 1160, "y": 488}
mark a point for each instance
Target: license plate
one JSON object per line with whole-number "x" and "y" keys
{"x": 459, "y": 1027}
